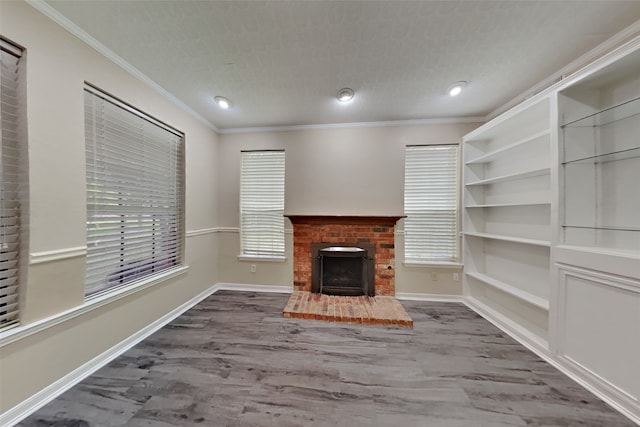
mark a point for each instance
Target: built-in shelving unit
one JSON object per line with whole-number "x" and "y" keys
{"x": 551, "y": 223}
{"x": 507, "y": 216}
{"x": 597, "y": 256}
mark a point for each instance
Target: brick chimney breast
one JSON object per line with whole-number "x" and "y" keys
{"x": 345, "y": 230}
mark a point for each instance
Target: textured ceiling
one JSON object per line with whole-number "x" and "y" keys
{"x": 281, "y": 63}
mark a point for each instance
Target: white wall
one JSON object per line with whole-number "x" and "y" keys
{"x": 57, "y": 66}
{"x": 337, "y": 171}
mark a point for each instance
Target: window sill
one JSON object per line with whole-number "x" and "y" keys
{"x": 433, "y": 264}
{"x": 19, "y": 332}
{"x": 268, "y": 258}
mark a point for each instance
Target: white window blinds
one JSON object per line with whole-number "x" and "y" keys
{"x": 262, "y": 203}
{"x": 431, "y": 203}
{"x": 13, "y": 180}
{"x": 135, "y": 187}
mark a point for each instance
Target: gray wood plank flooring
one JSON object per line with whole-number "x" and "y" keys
{"x": 233, "y": 360}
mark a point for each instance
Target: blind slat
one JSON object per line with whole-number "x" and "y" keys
{"x": 135, "y": 186}
{"x": 431, "y": 203}
{"x": 13, "y": 180}
{"x": 262, "y": 203}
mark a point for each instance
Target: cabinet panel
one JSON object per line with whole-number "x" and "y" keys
{"x": 600, "y": 328}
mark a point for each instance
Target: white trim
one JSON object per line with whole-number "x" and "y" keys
{"x": 57, "y": 254}
{"x": 22, "y": 331}
{"x": 55, "y": 389}
{"x": 408, "y": 296}
{"x": 254, "y": 288}
{"x": 237, "y": 230}
{"x": 618, "y": 282}
{"x": 266, "y": 258}
{"x": 615, "y": 397}
{"x": 614, "y": 262}
{"x": 202, "y": 231}
{"x": 68, "y": 25}
{"x": 227, "y": 229}
{"x": 432, "y": 264}
{"x": 416, "y": 122}
{"x": 593, "y": 384}
{"x": 610, "y": 58}
{"x": 551, "y": 83}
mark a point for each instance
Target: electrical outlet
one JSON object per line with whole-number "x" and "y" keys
{"x": 253, "y": 268}
{"x": 456, "y": 277}
{"x": 434, "y": 276}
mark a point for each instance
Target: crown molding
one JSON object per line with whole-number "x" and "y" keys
{"x": 390, "y": 123}
{"x": 64, "y": 22}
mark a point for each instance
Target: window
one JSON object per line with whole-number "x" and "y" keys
{"x": 431, "y": 204}
{"x": 262, "y": 204}
{"x": 14, "y": 178}
{"x": 135, "y": 187}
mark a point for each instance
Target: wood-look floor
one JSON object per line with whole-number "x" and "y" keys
{"x": 233, "y": 360}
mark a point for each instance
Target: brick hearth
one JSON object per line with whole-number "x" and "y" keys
{"x": 366, "y": 310}
{"x": 377, "y": 230}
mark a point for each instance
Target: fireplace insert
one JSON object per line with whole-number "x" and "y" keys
{"x": 343, "y": 269}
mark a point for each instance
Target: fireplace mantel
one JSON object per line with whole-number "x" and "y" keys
{"x": 344, "y": 219}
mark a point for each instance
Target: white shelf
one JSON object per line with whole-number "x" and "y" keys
{"x": 511, "y": 290}
{"x": 508, "y": 205}
{"x": 492, "y": 155}
{"x": 511, "y": 177}
{"x": 534, "y": 242}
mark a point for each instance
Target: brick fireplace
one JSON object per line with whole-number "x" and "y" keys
{"x": 346, "y": 231}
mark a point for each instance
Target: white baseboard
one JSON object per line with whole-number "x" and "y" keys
{"x": 47, "y": 394}
{"x": 429, "y": 297}
{"x": 609, "y": 393}
{"x": 596, "y": 385}
{"x": 511, "y": 328}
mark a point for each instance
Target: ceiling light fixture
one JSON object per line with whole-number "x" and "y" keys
{"x": 456, "y": 88}
{"x": 345, "y": 94}
{"x": 223, "y": 102}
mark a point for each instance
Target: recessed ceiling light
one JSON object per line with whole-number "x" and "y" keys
{"x": 223, "y": 102}
{"x": 345, "y": 94}
{"x": 456, "y": 88}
